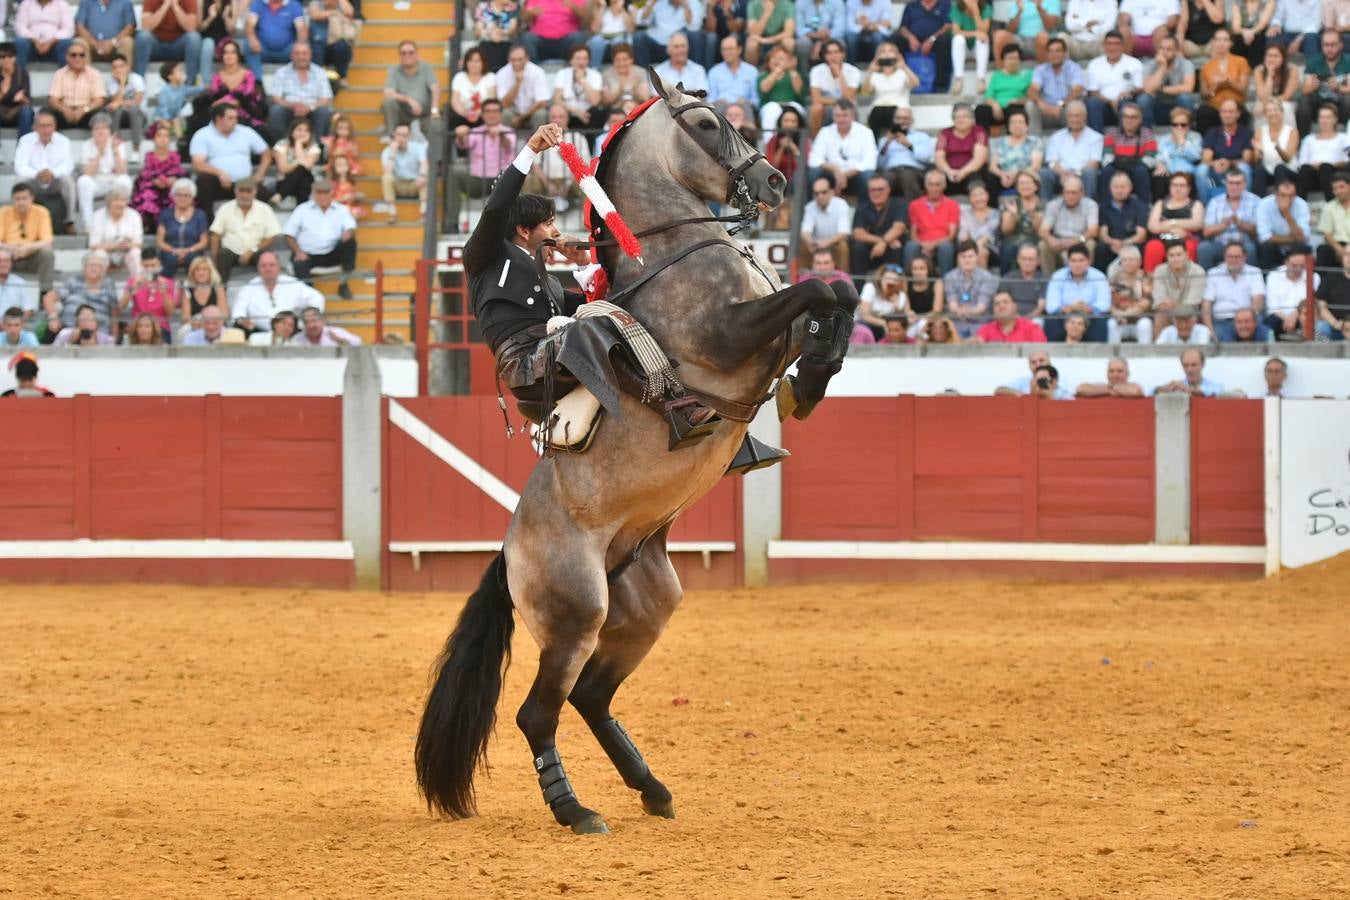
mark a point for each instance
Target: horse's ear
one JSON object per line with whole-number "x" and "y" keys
{"x": 659, "y": 85}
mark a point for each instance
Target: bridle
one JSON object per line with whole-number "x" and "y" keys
{"x": 728, "y": 139}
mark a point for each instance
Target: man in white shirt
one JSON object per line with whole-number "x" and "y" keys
{"x": 524, "y": 90}
{"x": 322, "y": 233}
{"x": 1287, "y": 292}
{"x": 1229, "y": 287}
{"x": 678, "y": 67}
{"x": 826, "y": 223}
{"x": 1112, "y": 78}
{"x": 268, "y": 293}
{"x": 1143, "y": 22}
{"x": 1087, "y": 22}
{"x": 1185, "y": 329}
{"x": 44, "y": 160}
{"x": 844, "y": 152}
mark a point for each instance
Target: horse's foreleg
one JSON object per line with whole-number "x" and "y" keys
{"x": 829, "y": 310}
{"x": 641, "y": 602}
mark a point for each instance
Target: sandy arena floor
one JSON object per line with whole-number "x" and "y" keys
{"x": 1145, "y": 739}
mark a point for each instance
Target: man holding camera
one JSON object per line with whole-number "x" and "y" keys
{"x": 904, "y": 157}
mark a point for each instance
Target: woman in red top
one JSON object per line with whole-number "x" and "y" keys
{"x": 785, "y": 151}
{"x": 962, "y": 150}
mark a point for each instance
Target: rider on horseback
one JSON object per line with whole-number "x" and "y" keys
{"x": 514, "y": 299}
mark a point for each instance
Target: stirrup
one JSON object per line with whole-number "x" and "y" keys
{"x": 755, "y": 454}
{"x": 682, "y": 433}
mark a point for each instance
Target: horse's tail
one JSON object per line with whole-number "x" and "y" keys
{"x": 462, "y": 707}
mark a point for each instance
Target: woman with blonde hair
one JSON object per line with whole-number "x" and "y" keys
{"x": 882, "y": 297}
{"x": 203, "y": 288}
{"x": 938, "y": 330}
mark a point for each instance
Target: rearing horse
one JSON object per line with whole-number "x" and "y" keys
{"x": 585, "y": 555}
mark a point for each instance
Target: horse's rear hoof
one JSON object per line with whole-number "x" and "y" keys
{"x": 591, "y": 823}
{"x": 663, "y": 808}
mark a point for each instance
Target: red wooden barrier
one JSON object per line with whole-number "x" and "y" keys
{"x": 428, "y": 501}
{"x": 970, "y": 468}
{"x": 1227, "y": 472}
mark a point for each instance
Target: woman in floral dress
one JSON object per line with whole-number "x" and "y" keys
{"x": 160, "y": 168}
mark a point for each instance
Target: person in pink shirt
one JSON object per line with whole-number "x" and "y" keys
{"x": 1007, "y": 326}
{"x": 552, "y": 28}
{"x": 933, "y": 222}
{"x": 43, "y": 30}
{"x": 823, "y": 267}
{"x": 317, "y": 333}
{"x": 150, "y": 292}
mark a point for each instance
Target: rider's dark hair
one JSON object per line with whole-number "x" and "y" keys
{"x": 530, "y": 211}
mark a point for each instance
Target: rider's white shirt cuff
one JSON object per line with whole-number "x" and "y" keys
{"x": 585, "y": 275}
{"x": 525, "y": 159}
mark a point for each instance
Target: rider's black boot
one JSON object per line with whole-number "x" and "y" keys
{"x": 755, "y": 454}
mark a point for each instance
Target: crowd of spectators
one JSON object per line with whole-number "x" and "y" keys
{"x": 174, "y": 194}
{"x": 1108, "y": 164}
{"x": 1043, "y": 380}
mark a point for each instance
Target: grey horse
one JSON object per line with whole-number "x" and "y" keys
{"x": 585, "y": 555}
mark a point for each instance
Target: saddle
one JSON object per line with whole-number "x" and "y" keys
{"x": 609, "y": 352}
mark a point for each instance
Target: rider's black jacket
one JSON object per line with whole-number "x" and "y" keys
{"x": 504, "y": 284}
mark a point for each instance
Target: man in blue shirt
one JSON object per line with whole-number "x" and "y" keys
{"x": 733, "y": 80}
{"x": 1078, "y": 288}
{"x": 1195, "y": 383}
{"x": 1055, "y": 83}
{"x": 1229, "y": 216}
{"x": 905, "y": 154}
{"x": 1282, "y": 220}
{"x": 818, "y": 21}
{"x": 270, "y": 30}
{"x": 663, "y": 19}
{"x": 222, "y": 153}
{"x": 14, "y": 334}
{"x": 926, "y": 28}
{"x": 108, "y": 27}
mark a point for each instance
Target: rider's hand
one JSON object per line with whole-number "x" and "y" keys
{"x": 546, "y": 136}
{"x": 577, "y": 256}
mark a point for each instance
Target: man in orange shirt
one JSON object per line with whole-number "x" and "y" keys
{"x": 26, "y": 232}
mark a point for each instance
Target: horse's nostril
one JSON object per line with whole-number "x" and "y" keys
{"x": 775, "y": 181}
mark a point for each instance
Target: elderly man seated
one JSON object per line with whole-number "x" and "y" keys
{"x": 1117, "y": 383}
{"x": 1194, "y": 381}
{"x": 314, "y": 332}
{"x": 269, "y": 292}
{"x": 322, "y": 233}
{"x": 242, "y": 229}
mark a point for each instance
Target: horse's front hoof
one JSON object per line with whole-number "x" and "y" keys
{"x": 591, "y": 823}
{"x": 663, "y": 808}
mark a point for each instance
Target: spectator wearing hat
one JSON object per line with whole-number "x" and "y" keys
{"x": 43, "y": 30}
{"x": 322, "y": 233}
{"x": 26, "y": 369}
{"x": 26, "y": 238}
{"x": 314, "y": 332}
{"x": 13, "y": 333}
{"x": 1194, "y": 381}
{"x": 1185, "y": 329}
{"x": 1117, "y": 383}
{"x": 271, "y": 30}
{"x": 242, "y": 229}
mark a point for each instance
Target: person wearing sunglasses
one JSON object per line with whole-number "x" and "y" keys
{"x": 77, "y": 90}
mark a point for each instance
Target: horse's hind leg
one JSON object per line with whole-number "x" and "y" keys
{"x": 641, "y": 603}
{"x": 563, "y": 605}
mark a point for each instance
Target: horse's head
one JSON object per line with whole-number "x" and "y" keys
{"x": 712, "y": 158}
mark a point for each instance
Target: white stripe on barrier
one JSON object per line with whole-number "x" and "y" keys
{"x": 1271, "y": 426}
{"x": 494, "y": 546}
{"x": 1017, "y": 552}
{"x": 453, "y": 457}
{"x": 175, "y": 549}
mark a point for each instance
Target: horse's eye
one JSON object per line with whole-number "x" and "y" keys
{"x": 707, "y": 125}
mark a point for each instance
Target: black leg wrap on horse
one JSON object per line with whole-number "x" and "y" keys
{"x": 553, "y": 780}
{"x": 623, "y": 753}
{"x": 822, "y": 357}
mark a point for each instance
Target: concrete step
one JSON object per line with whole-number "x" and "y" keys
{"x": 409, "y": 10}
{"x": 395, "y": 29}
